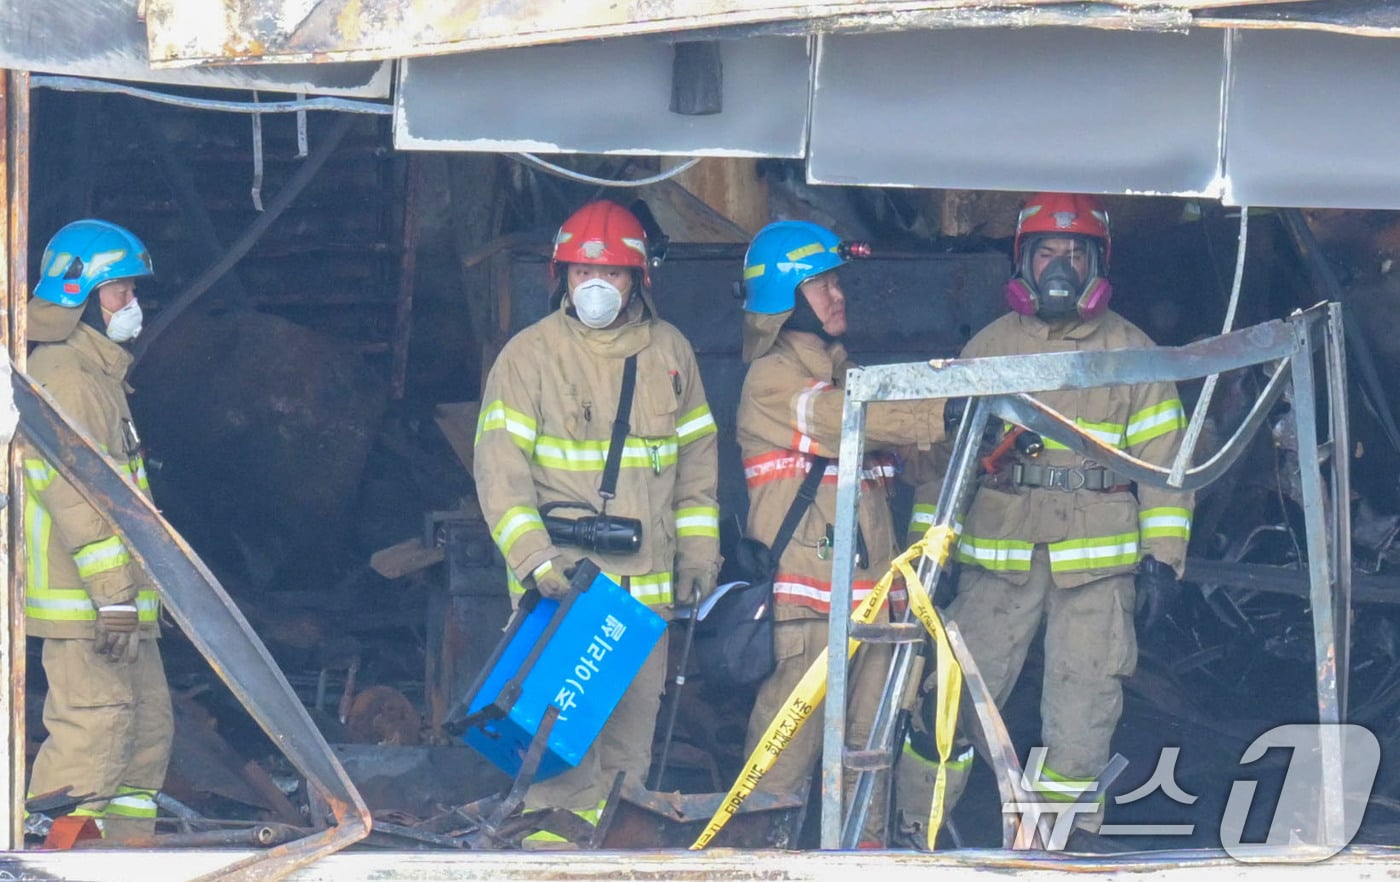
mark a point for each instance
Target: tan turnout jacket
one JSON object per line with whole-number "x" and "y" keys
{"x": 546, "y": 420}
{"x": 1090, "y": 534}
{"x": 789, "y": 412}
{"x": 75, "y": 560}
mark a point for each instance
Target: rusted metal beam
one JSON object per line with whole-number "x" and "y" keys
{"x": 185, "y": 32}
{"x": 12, "y": 702}
{"x": 254, "y": 835}
{"x": 1359, "y": 18}
{"x": 14, "y": 182}
{"x": 215, "y": 626}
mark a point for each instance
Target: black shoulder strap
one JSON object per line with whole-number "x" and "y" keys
{"x": 806, "y": 494}
{"x": 621, "y": 426}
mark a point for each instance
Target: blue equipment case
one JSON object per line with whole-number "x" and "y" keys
{"x": 580, "y": 655}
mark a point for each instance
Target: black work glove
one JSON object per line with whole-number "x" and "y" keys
{"x": 117, "y": 632}
{"x": 954, "y": 409}
{"x": 1157, "y": 591}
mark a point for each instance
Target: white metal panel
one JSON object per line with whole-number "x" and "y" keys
{"x": 1313, "y": 120}
{"x": 1032, "y": 109}
{"x": 606, "y": 96}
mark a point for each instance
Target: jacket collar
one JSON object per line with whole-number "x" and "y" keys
{"x": 826, "y": 361}
{"x": 108, "y": 357}
{"x": 629, "y": 339}
{"x": 1080, "y": 329}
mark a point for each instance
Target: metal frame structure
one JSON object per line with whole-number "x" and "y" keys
{"x": 1003, "y": 387}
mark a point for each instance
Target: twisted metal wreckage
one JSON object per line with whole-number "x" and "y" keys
{"x": 1001, "y": 388}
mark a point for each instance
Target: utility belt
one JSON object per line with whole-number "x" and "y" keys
{"x": 1065, "y": 478}
{"x": 1068, "y": 478}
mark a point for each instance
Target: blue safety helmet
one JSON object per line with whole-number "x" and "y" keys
{"x": 85, "y": 254}
{"x": 782, "y": 256}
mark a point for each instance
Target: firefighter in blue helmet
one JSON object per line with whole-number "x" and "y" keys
{"x": 107, "y": 710}
{"x": 789, "y": 417}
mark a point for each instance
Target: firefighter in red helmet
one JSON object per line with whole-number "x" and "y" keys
{"x": 547, "y": 415}
{"x": 1053, "y": 541}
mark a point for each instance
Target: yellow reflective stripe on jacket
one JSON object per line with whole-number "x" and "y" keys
{"x": 700, "y": 520}
{"x": 695, "y": 425}
{"x": 60, "y": 605}
{"x": 147, "y": 605}
{"x": 653, "y": 589}
{"x": 37, "y": 526}
{"x": 101, "y": 556}
{"x": 45, "y": 603}
{"x": 1165, "y": 522}
{"x": 497, "y": 417}
{"x": 39, "y": 473}
{"x": 568, "y": 455}
{"x": 132, "y": 802}
{"x": 516, "y": 522}
{"x": 74, "y": 605}
{"x": 1004, "y": 555}
{"x": 1093, "y": 553}
{"x": 1112, "y": 434}
{"x": 1151, "y": 422}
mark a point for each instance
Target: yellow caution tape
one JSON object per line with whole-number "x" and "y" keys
{"x": 945, "y": 719}
{"x": 809, "y": 692}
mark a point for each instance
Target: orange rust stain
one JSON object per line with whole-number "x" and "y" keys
{"x": 348, "y": 20}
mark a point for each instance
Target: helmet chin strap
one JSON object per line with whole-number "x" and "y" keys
{"x": 804, "y": 318}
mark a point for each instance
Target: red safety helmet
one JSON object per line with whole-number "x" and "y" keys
{"x": 604, "y": 233}
{"x": 1076, "y": 215}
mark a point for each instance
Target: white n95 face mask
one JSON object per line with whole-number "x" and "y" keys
{"x": 125, "y": 323}
{"x": 597, "y": 302}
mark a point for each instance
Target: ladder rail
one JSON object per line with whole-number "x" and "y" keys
{"x": 953, "y": 499}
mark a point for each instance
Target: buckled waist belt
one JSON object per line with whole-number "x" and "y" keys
{"x": 1068, "y": 478}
